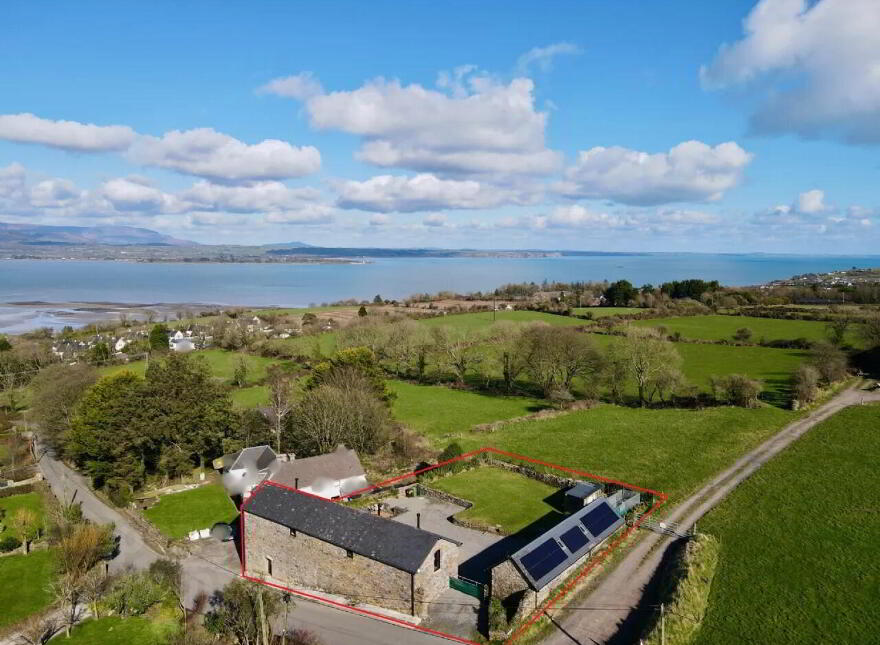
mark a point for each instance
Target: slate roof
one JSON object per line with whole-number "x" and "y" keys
{"x": 261, "y": 456}
{"x": 583, "y": 490}
{"x": 341, "y": 464}
{"x": 384, "y": 540}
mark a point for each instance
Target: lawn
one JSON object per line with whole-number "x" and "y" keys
{"x": 113, "y": 630}
{"x": 670, "y": 450}
{"x": 502, "y": 498}
{"x": 306, "y": 345}
{"x": 24, "y": 589}
{"x": 199, "y": 508}
{"x": 222, "y": 364}
{"x": 604, "y": 312}
{"x": 724, "y": 327}
{"x": 799, "y": 565}
{"x": 250, "y": 397}
{"x": 484, "y": 319}
{"x": 436, "y": 411}
{"x": 33, "y": 501}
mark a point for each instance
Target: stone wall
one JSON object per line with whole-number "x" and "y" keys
{"x": 429, "y": 584}
{"x": 300, "y": 561}
{"x": 547, "y": 478}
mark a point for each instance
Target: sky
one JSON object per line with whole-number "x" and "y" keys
{"x": 723, "y": 126}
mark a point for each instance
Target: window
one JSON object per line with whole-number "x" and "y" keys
{"x": 292, "y": 532}
{"x": 269, "y": 565}
{"x": 349, "y": 553}
{"x": 437, "y": 560}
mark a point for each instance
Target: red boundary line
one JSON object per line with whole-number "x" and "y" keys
{"x": 594, "y": 560}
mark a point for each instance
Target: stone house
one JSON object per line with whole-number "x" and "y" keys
{"x": 302, "y": 541}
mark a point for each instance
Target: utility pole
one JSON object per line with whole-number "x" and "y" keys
{"x": 494, "y": 307}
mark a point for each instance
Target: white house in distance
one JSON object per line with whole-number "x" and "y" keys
{"x": 332, "y": 475}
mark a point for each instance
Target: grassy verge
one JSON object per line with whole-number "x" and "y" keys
{"x": 179, "y": 513}
{"x": 503, "y": 498}
{"x": 113, "y": 630}
{"x": 24, "y": 582}
{"x": 687, "y": 595}
{"x": 799, "y": 559}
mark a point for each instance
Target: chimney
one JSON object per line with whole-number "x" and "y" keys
{"x": 418, "y": 520}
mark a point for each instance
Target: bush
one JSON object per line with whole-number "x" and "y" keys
{"x": 9, "y": 543}
{"x": 134, "y": 594}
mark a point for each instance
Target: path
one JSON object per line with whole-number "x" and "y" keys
{"x": 618, "y": 602}
{"x": 201, "y": 575}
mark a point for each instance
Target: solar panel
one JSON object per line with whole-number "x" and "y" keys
{"x": 599, "y": 519}
{"x": 574, "y": 539}
{"x": 543, "y": 559}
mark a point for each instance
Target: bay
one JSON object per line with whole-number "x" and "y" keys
{"x": 298, "y": 285}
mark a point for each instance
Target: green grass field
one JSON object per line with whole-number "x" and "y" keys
{"x": 24, "y": 588}
{"x": 134, "y": 630}
{"x": 250, "y": 397}
{"x": 604, "y": 312}
{"x": 436, "y": 411}
{"x": 12, "y": 504}
{"x": 305, "y": 345}
{"x": 502, "y": 498}
{"x": 798, "y": 560}
{"x": 221, "y": 363}
{"x": 484, "y": 319}
{"x": 773, "y": 367}
{"x": 724, "y": 327}
{"x": 179, "y": 513}
{"x": 669, "y": 450}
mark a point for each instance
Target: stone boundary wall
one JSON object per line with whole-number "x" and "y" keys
{"x": 444, "y": 496}
{"x": 547, "y": 478}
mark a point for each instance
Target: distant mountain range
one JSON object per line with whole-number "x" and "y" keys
{"x": 39, "y": 235}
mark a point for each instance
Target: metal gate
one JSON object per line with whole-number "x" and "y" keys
{"x": 469, "y": 587}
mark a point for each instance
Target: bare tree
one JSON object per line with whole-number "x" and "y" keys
{"x": 280, "y": 400}
{"x": 649, "y": 358}
{"x": 37, "y": 630}
{"x": 509, "y": 352}
{"x": 67, "y": 589}
{"x": 459, "y": 350}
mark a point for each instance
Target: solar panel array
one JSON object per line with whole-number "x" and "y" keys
{"x": 546, "y": 557}
{"x": 599, "y": 519}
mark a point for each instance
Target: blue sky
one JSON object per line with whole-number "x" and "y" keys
{"x": 722, "y": 126}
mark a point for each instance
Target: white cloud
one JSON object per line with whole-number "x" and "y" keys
{"x": 204, "y": 152}
{"x": 810, "y": 202}
{"x": 300, "y": 86}
{"x": 254, "y": 197}
{"x": 542, "y": 57}
{"x": 134, "y": 194}
{"x": 820, "y": 61}
{"x": 471, "y": 124}
{"x": 388, "y": 193}
{"x": 436, "y": 220}
{"x": 12, "y": 181}
{"x": 307, "y": 215}
{"x": 577, "y": 216}
{"x": 67, "y": 135}
{"x": 55, "y": 193}
{"x": 380, "y": 219}
{"x": 690, "y": 171}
